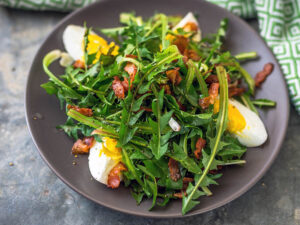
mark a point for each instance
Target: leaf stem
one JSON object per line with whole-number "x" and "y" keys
{"x": 246, "y": 56}
{"x": 114, "y": 114}
{"x": 249, "y": 80}
{"x": 233, "y": 162}
{"x": 246, "y": 100}
{"x": 207, "y": 191}
{"x": 48, "y": 59}
{"x": 221, "y": 126}
{"x": 157, "y": 24}
{"x": 202, "y": 84}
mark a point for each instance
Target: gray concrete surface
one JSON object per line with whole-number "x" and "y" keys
{"x": 31, "y": 194}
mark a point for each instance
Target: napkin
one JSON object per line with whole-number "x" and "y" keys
{"x": 279, "y": 25}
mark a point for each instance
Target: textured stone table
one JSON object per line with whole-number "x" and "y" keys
{"x": 31, "y": 194}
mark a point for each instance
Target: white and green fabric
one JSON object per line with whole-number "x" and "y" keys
{"x": 54, "y": 5}
{"x": 279, "y": 24}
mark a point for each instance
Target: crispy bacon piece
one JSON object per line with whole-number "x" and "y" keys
{"x": 204, "y": 102}
{"x": 131, "y": 69}
{"x": 83, "y": 146}
{"x": 219, "y": 167}
{"x": 262, "y": 75}
{"x": 174, "y": 76}
{"x": 179, "y": 194}
{"x": 235, "y": 91}
{"x": 185, "y": 59}
{"x": 213, "y": 94}
{"x": 83, "y": 111}
{"x": 131, "y": 56}
{"x": 190, "y": 26}
{"x": 181, "y": 107}
{"x": 125, "y": 84}
{"x": 212, "y": 79}
{"x": 145, "y": 108}
{"x": 79, "y": 64}
{"x": 191, "y": 54}
{"x": 200, "y": 144}
{"x": 118, "y": 87}
{"x": 114, "y": 179}
{"x": 185, "y": 182}
{"x": 228, "y": 79}
{"x": 181, "y": 42}
{"x": 174, "y": 169}
{"x": 167, "y": 88}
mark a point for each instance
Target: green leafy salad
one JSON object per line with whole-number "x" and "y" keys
{"x": 159, "y": 108}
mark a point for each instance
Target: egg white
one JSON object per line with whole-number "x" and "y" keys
{"x": 254, "y": 134}
{"x": 73, "y": 38}
{"x": 100, "y": 166}
{"x": 189, "y": 18}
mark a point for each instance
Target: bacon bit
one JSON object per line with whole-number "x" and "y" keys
{"x": 131, "y": 56}
{"x": 79, "y": 64}
{"x": 125, "y": 84}
{"x": 179, "y": 194}
{"x": 187, "y": 179}
{"x": 131, "y": 69}
{"x": 89, "y": 141}
{"x": 191, "y": 54}
{"x": 181, "y": 107}
{"x": 167, "y": 88}
{"x": 228, "y": 79}
{"x": 174, "y": 76}
{"x": 83, "y": 146}
{"x": 174, "y": 169}
{"x": 185, "y": 59}
{"x": 84, "y": 111}
{"x": 185, "y": 182}
{"x": 118, "y": 87}
{"x": 219, "y": 167}
{"x": 204, "y": 102}
{"x": 214, "y": 79}
{"x": 213, "y": 94}
{"x": 235, "y": 91}
{"x": 113, "y": 180}
{"x": 262, "y": 75}
{"x": 200, "y": 144}
{"x": 190, "y": 26}
{"x": 181, "y": 42}
{"x": 144, "y": 108}
{"x": 213, "y": 172}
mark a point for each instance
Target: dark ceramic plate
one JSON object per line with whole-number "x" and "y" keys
{"x": 44, "y": 114}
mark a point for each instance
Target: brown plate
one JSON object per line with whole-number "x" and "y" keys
{"x": 44, "y": 114}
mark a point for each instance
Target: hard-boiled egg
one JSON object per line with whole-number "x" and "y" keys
{"x": 73, "y": 39}
{"x": 244, "y": 124}
{"x": 186, "y": 23}
{"x": 104, "y": 156}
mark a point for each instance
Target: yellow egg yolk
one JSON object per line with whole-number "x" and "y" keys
{"x": 110, "y": 150}
{"x": 236, "y": 121}
{"x": 97, "y": 44}
{"x": 171, "y": 37}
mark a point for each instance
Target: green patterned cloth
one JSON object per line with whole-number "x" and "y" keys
{"x": 279, "y": 24}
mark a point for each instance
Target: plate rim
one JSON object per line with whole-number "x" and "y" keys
{"x": 225, "y": 201}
